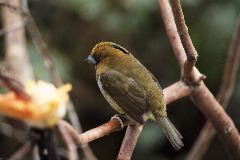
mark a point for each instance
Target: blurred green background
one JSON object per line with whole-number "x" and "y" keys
{"x": 72, "y": 27}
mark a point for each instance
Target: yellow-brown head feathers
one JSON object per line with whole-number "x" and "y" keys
{"x": 106, "y": 49}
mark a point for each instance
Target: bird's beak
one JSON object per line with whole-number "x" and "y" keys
{"x": 90, "y": 59}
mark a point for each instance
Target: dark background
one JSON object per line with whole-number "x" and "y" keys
{"x": 72, "y": 27}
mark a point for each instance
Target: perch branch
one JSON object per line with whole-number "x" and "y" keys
{"x": 204, "y": 99}
{"x": 226, "y": 89}
{"x": 173, "y": 92}
{"x": 21, "y": 153}
{"x": 129, "y": 142}
{"x": 93, "y": 134}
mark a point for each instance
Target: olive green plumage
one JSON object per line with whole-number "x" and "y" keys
{"x": 130, "y": 88}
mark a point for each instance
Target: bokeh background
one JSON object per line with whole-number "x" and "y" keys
{"x": 72, "y": 27}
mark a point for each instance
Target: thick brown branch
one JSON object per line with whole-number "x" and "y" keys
{"x": 226, "y": 89}
{"x": 25, "y": 149}
{"x": 203, "y": 98}
{"x": 129, "y": 142}
{"x": 215, "y": 113}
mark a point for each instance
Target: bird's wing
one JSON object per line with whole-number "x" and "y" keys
{"x": 155, "y": 80}
{"x": 126, "y": 93}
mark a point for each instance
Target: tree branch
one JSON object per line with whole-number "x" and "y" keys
{"x": 191, "y": 53}
{"x": 129, "y": 142}
{"x": 204, "y": 99}
{"x": 15, "y": 45}
{"x": 226, "y": 89}
{"x": 105, "y": 129}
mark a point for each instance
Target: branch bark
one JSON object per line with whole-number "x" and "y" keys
{"x": 226, "y": 89}
{"x": 15, "y": 45}
{"x": 190, "y": 50}
{"x": 129, "y": 142}
{"x": 202, "y": 97}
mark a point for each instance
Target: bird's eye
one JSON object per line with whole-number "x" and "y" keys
{"x": 97, "y": 58}
{"x": 120, "y": 48}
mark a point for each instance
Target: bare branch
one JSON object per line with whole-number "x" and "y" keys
{"x": 172, "y": 33}
{"x": 215, "y": 113}
{"x": 93, "y": 134}
{"x": 226, "y": 89}
{"x": 12, "y": 27}
{"x": 25, "y": 149}
{"x": 204, "y": 99}
{"x": 186, "y": 41}
{"x": 15, "y": 45}
{"x": 129, "y": 142}
{"x": 176, "y": 91}
{"x": 72, "y": 149}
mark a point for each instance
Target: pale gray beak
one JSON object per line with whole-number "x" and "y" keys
{"x": 90, "y": 59}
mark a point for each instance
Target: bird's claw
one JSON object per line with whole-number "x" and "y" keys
{"x": 121, "y": 118}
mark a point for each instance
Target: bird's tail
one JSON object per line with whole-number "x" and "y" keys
{"x": 171, "y": 132}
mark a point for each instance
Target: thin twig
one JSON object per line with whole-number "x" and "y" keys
{"x": 15, "y": 86}
{"x": 205, "y": 101}
{"x": 226, "y": 89}
{"x": 172, "y": 33}
{"x": 186, "y": 41}
{"x": 21, "y": 153}
{"x": 72, "y": 149}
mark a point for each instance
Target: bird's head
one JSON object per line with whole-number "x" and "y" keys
{"x": 104, "y": 50}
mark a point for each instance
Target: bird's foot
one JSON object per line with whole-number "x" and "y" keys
{"x": 122, "y": 119}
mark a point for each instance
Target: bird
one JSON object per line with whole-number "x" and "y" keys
{"x": 131, "y": 89}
